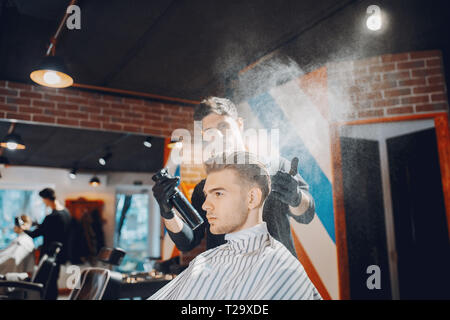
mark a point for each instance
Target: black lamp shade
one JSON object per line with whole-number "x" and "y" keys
{"x": 13, "y": 141}
{"x": 52, "y": 72}
{"x": 95, "y": 181}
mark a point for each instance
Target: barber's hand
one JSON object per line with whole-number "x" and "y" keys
{"x": 162, "y": 191}
{"x": 285, "y": 188}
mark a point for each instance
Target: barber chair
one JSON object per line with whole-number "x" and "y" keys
{"x": 36, "y": 289}
{"x": 93, "y": 283}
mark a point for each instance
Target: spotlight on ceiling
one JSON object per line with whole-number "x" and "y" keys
{"x": 13, "y": 141}
{"x": 374, "y": 21}
{"x": 148, "y": 142}
{"x": 102, "y": 160}
{"x": 73, "y": 173}
{"x": 52, "y": 72}
{"x": 95, "y": 181}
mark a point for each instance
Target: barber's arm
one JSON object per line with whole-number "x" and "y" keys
{"x": 40, "y": 230}
{"x": 181, "y": 234}
{"x": 294, "y": 191}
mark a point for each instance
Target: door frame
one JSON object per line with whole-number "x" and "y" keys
{"x": 441, "y": 123}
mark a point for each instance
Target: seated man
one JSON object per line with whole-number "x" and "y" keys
{"x": 18, "y": 256}
{"x": 251, "y": 264}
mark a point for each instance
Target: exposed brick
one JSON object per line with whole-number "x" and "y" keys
{"x": 79, "y": 115}
{"x": 54, "y": 112}
{"x": 395, "y": 57}
{"x": 90, "y": 95}
{"x": 412, "y": 82}
{"x": 9, "y": 92}
{"x": 45, "y": 89}
{"x": 112, "y": 98}
{"x": 416, "y": 99}
{"x": 90, "y": 109}
{"x": 8, "y": 108}
{"x": 21, "y": 101}
{"x": 130, "y": 128}
{"x": 366, "y": 62}
{"x": 133, "y": 101}
{"x": 400, "y": 110}
{"x": 153, "y": 117}
{"x": 383, "y": 85}
{"x": 435, "y": 79}
{"x": 396, "y": 75}
{"x": 120, "y": 106}
{"x": 40, "y": 103}
{"x": 137, "y": 108}
{"x": 30, "y": 94}
{"x": 438, "y": 97}
{"x": 68, "y": 106}
{"x": 98, "y": 103}
{"x": 112, "y": 126}
{"x": 112, "y": 113}
{"x": 382, "y": 68}
{"x": 371, "y": 113}
{"x": 77, "y": 100}
{"x": 425, "y": 54}
{"x": 431, "y": 107}
{"x": 428, "y": 89}
{"x": 120, "y": 120}
{"x": 132, "y": 114}
{"x": 68, "y": 122}
{"x": 160, "y": 124}
{"x": 55, "y": 97}
{"x": 426, "y": 72}
{"x": 411, "y": 65}
{"x": 434, "y": 62}
{"x": 18, "y": 116}
{"x": 90, "y": 124}
{"x": 69, "y": 91}
{"x": 3, "y": 83}
{"x": 16, "y": 85}
{"x": 397, "y": 92}
{"x": 100, "y": 118}
{"x": 30, "y": 110}
{"x": 2, "y": 99}
{"x": 41, "y": 118}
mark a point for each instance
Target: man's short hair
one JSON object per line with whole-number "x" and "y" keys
{"x": 246, "y": 165}
{"x": 220, "y": 106}
{"x": 48, "y": 193}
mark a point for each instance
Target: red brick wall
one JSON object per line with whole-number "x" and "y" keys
{"x": 88, "y": 110}
{"x": 387, "y": 86}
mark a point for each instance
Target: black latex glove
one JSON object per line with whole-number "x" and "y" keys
{"x": 161, "y": 192}
{"x": 285, "y": 188}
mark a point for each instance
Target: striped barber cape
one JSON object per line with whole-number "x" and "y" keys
{"x": 251, "y": 265}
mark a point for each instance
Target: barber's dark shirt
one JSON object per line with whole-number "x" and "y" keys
{"x": 55, "y": 227}
{"x": 275, "y": 213}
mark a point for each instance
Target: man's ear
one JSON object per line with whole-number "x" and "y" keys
{"x": 254, "y": 198}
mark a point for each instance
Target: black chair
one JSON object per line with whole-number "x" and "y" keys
{"x": 92, "y": 284}
{"x": 37, "y": 288}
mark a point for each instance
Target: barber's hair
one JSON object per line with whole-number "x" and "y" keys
{"x": 48, "y": 193}
{"x": 246, "y": 165}
{"x": 220, "y": 106}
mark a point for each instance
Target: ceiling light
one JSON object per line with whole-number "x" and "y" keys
{"x": 95, "y": 181}
{"x": 73, "y": 173}
{"x": 52, "y": 72}
{"x": 13, "y": 141}
{"x": 102, "y": 160}
{"x": 148, "y": 142}
{"x": 374, "y": 21}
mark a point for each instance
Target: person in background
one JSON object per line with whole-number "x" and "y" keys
{"x": 54, "y": 228}
{"x": 18, "y": 256}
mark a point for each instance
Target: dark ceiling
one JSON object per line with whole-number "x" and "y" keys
{"x": 60, "y": 147}
{"x": 190, "y": 49}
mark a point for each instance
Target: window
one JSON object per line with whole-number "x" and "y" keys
{"x": 132, "y": 229}
{"x": 14, "y": 203}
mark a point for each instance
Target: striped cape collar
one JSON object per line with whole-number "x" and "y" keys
{"x": 247, "y": 234}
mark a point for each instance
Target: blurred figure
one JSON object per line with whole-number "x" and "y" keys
{"x": 54, "y": 228}
{"x": 18, "y": 256}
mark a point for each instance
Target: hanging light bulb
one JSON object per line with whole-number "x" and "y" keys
{"x": 52, "y": 72}
{"x": 374, "y": 21}
{"x": 13, "y": 141}
{"x": 73, "y": 174}
{"x": 102, "y": 160}
{"x": 95, "y": 181}
{"x": 148, "y": 142}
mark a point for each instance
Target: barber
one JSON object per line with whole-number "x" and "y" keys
{"x": 54, "y": 228}
{"x": 289, "y": 197}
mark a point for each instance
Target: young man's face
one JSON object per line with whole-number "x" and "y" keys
{"x": 48, "y": 203}
{"x": 226, "y": 202}
{"x": 225, "y": 127}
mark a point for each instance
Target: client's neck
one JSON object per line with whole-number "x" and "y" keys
{"x": 254, "y": 218}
